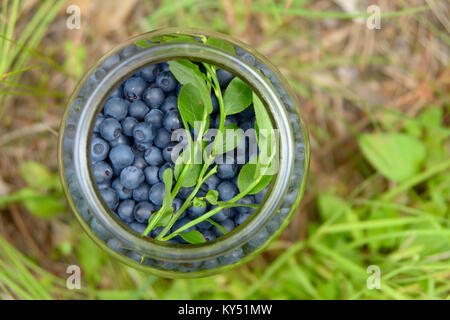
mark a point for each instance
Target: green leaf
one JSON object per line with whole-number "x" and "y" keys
{"x": 192, "y": 105}
{"x": 193, "y": 237}
{"x": 248, "y": 175}
{"x": 186, "y": 72}
{"x": 198, "y": 202}
{"x": 41, "y": 205}
{"x": 396, "y": 156}
{"x": 212, "y": 196}
{"x": 167, "y": 179}
{"x": 191, "y": 177}
{"x": 261, "y": 114}
{"x": 38, "y": 176}
{"x": 144, "y": 44}
{"x": 222, "y": 44}
{"x": 266, "y": 137}
{"x": 237, "y": 97}
{"x": 229, "y": 139}
{"x": 163, "y": 215}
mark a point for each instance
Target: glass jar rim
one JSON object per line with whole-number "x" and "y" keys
{"x": 199, "y": 52}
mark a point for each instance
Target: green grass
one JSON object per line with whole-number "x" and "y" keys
{"x": 365, "y": 216}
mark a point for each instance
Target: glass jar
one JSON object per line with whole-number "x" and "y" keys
{"x": 171, "y": 260}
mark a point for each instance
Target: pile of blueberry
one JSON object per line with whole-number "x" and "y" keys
{"x": 131, "y": 148}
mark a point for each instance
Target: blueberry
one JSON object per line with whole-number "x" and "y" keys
{"x": 117, "y": 92}
{"x": 99, "y": 230}
{"x": 248, "y": 199}
{"x": 99, "y": 149}
{"x": 203, "y": 226}
{"x": 139, "y": 161}
{"x": 110, "y": 129}
{"x": 138, "y": 228}
{"x": 223, "y": 214}
{"x": 155, "y": 117}
{"x": 143, "y": 210}
{"x": 110, "y": 197}
{"x": 153, "y": 97}
{"x": 212, "y": 182}
{"x": 249, "y": 58}
{"x": 170, "y": 104}
{"x": 164, "y": 66}
{"x": 177, "y": 91}
{"x": 226, "y": 171}
{"x": 122, "y": 139}
{"x": 141, "y": 192}
{"x": 102, "y": 172}
{"x": 171, "y": 121}
{"x": 116, "y": 246}
{"x": 128, "y": 51}
{"x": 155, "y": 232}
{"x": 195, "y": 212}
{"x": 144, "y": 132}
{"x": 246, "y": 125}
{"x": 180, "y": 223}
{"x": 185, "y": 192}
{"x": 98, "y": 122}
{"x": 131, "y": 177}
{"x": 227, "y": 224}
{"x": 167, "y": 153}
{"x": 229, "y": 120}
{"x": 224, "y": 77}
{"x": 215, "y": 103}
{"x": 153, "y": 156}
{"x": 138, "y": 109}
{"x": 150, "y": 72}
{"x": 166, "y": 81}
{"x": 116, "y": 108}
{"x": 256, "y": 242}
{"x": 142, "y": 146}
{"x": 163, "y": 168}
{"x": 127, "y": 126}
{"x": 208, "y": 235}
{"x": 111, "y": 61}
{"x": 227, "y": 190}
{"x": 259, "y": 197}
{"x": 134, "y": 87}
{"x": 156, "y": 193}
{"x": 241, "y": 218}
{"x": 121, "y": 156}
{"x": 176, "y": 205}
{"x": 232, "y": 257}
{"x": 151, "y": 175}
{"x": 163, "y": 138}
{"x": 122, "y": 192}
{"x": 210, "y": 264}
{"x": 125, "y": 210}
{"x": 246, "y": 115}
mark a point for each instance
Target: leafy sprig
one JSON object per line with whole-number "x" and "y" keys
{"x": 195, "y": 107}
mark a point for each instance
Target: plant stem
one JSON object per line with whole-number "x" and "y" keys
{"x": 207, "y": 215}
{"x": 186, "y": 204}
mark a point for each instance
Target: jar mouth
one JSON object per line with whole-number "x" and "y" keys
{"x": 195, "y": 52}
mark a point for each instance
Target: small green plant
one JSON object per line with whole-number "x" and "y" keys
{"x": 194, "y": 103}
